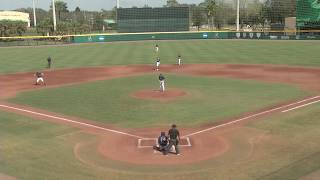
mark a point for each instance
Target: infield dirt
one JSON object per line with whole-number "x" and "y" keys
{"x": 207, "y": 145}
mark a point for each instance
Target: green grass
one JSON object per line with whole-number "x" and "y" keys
{"x": 36, "y": 150}
{"x": 301, "y": 130}
{"x": 32, "y": 149}
{"x": 208, "y": 100}
{"x": 302, "y": 53}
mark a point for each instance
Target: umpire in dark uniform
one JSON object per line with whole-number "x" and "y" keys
{"x": 174, "y": 138}
{"x": 49, "y": 62}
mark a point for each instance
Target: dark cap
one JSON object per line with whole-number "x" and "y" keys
{"x": 163, "y": 133}
{"x": 174, "y": 126}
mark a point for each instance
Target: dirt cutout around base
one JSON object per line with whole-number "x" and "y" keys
{"x": 6, "y": 177}
{"x": 166, "y": 96}
{"x": 123, "y": 148}
{"x": 312, "y": 176}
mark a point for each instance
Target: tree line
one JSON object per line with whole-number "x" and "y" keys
{"x": 213, "y": 14}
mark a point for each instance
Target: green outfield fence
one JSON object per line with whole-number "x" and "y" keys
{"x": 100, "y": 38}
{"x": 196, "y": 35}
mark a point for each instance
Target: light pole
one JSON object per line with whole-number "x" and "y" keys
{"x": 238, "y": 14}
{"x": 118, "y": 3}
{"x": 34, "y": 14}
{"x": 54, "y": 16}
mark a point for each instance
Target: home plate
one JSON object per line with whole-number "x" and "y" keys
{"x": 150, "y": 142}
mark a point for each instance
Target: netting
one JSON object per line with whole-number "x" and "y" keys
{"x": 166, "y": 19}
{"x": 254, "y": 15}
{"x": 308, "y": 14}
{"x": 84, "y": 17}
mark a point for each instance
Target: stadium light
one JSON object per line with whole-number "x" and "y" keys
{"x": 54, "y": 16}
{"x": 238, "y": 15}
{"x": 34, "y": 14}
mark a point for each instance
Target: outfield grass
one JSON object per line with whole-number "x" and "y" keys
{"x": 36, "y": 150}
{"x": 208, "y": 100}
{"x": 302, "y": 53}
{"x": 300, "y": 129}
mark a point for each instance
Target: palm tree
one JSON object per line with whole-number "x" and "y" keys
{"x": 172, "y": 3}
{"x": 60, "y": 7}
{"x": 210, "y": 7}
{"x": 211, "y": 10}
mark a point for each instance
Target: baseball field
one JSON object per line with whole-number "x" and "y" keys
{"x": 246, "y": 109}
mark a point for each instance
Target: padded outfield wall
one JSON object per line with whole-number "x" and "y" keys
{"x": 171, "y": 19}
{"x": 192, "y": 35}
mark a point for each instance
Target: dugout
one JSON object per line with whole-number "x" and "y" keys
{"x": 167, "y": 19}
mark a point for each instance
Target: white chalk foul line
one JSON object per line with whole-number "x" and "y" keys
{"x": 300, "y": 106}
{"x": 69, "y": 120}
{"x": 251, "y": 116}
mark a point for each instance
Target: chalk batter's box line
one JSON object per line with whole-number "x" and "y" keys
{"x": 156, "y": 142}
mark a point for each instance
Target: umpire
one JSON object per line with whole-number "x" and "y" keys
{"x": 49, "y": 62}
{"x": 174, "y": 138}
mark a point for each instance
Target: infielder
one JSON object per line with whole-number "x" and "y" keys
{"x": 179, "y": 60}
{"x": 174, "y": 138}
{"x": 157, "y": 63}
{"x": 157, "y": 48}
{"x": 161, "y": 80}
{"x": 39, "y": 76}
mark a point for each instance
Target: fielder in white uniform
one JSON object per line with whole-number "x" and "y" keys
{"x": 157, "y": 48}
{"x": 179, "y": 60}
{"x": 161, "y": 80}
{"x": 39, "y": 76}
{"x": 158, "y": 64}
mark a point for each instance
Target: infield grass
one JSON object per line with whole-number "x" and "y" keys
{"x": 301, "y": 53}
{"x": 283, "y": 146}
{"x": 208, "y": 100}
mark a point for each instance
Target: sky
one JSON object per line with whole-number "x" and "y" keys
{"x": 86, "y": 4}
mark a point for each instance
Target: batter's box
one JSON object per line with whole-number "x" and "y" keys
{"x": 150, "y": 142}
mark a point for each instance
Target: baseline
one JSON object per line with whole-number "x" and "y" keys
{"x": 251, "y": 116}
{"x": 297, "y": 107}
{"x": 70, "y": 121}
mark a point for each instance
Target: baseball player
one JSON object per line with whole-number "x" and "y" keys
{"x": 157, "y": 63}
{"x": 157, "y": 48}
{"x": 49, "y": 62}
{"x": 39, "y": 76}
{"x": 179, "y": 60}
{"x": 162, "y": 143}
{"x": 161, "y": 80}
{"x": 174, "y": 138}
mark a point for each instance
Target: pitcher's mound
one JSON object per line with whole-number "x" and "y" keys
{"x": 167, "y": 95}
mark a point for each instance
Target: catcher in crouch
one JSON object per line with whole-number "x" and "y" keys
{"x": 162, "y": 143}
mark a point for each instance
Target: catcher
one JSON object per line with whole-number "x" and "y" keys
{"x": 162, "y": 143}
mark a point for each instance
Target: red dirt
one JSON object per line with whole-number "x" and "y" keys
{"x": 168, "y": 95}
{"x": 124, "y": 148}
{"x": 6, "y": 177}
